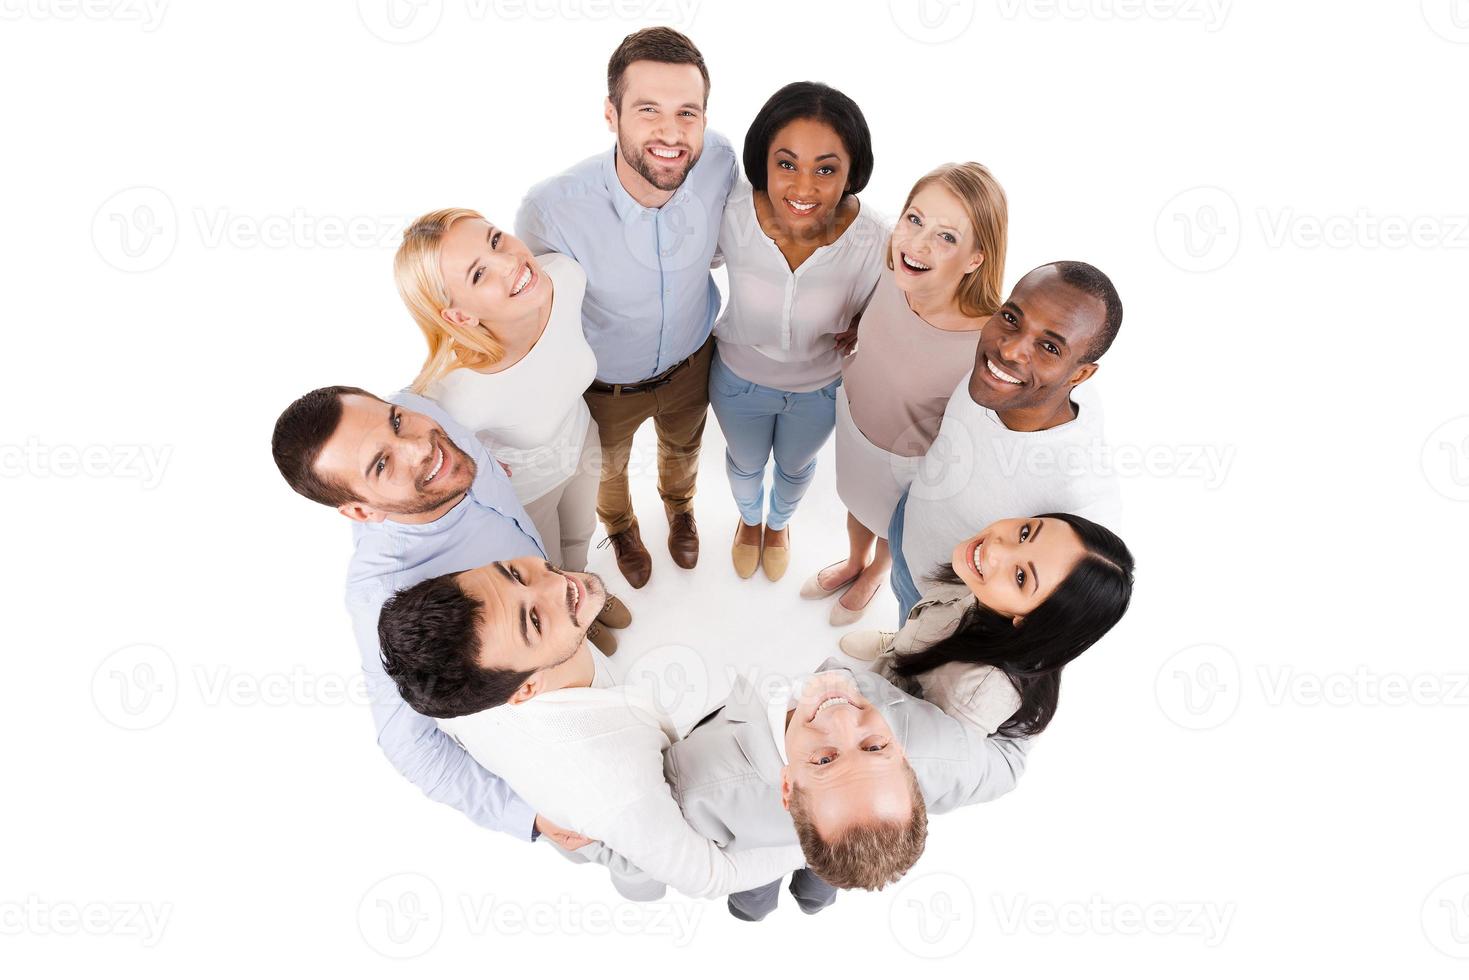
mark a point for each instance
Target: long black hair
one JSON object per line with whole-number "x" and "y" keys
{"x": 1077, "y": 614}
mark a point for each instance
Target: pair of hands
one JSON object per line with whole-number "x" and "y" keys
{"x": 568, "y": 839}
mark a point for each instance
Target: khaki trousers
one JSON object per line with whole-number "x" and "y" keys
{"x": 678, "y": 410}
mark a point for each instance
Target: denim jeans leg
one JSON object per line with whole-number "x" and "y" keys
{"x": 800, "y": 432}
{"x": 899, "y": 577}
{"x": 747, "y": 418}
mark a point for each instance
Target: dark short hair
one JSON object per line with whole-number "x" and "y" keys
{"x": 661, "y": 44}
{"x": 429, "y": 639}
{"x": 809, "y": 100}
{"x": 1094, "y": 282}
{"x": 301, "y": 432}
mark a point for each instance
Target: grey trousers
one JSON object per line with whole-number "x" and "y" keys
{"x": 566, "y": 515}
{"x": 811, "y": 893}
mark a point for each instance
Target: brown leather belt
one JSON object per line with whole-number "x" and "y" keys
{"x": 657, "y": 381}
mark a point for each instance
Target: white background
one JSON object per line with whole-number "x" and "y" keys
{"x": 1261, "y": 767}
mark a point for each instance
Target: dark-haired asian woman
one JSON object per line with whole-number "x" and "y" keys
{"x": 803, "y": 256}
{"x": 1021, "y": 599}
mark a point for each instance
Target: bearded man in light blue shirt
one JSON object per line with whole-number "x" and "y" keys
{"x": 643, "y": 219}
{"x": 425, "y": 498}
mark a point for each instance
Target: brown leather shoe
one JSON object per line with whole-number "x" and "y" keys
{"x": 683, "y": 539}
{"x": 633, "y": 559}
{"x": 614, "y": 613}
{"x": 602, "y": 638}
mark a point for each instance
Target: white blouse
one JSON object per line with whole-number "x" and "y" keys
{"x": 779, "y": 326}
{"x": 531, "y": 415}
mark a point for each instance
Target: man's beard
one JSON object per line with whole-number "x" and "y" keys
{"x": 426, "y": 503}
{"x": 633, "y": 157}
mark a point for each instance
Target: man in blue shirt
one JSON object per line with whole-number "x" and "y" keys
{"x": 642, "y": 219}
{"x": 425, "y": 498}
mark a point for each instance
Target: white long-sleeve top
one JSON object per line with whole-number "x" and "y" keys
{"x": 591, "y": 759}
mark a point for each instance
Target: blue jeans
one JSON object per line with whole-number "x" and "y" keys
{"x": 899, "y": 578}
{"x": 758, "y": 421}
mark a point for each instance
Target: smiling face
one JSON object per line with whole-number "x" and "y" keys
{"x": 1014, "y": 565}
{"x": 535, "y": 618}
{"x": 660, "y": 124}
{"x": 1031, "y": 351}
{"x": 490, "y": 275}
{"x": 805, "y": 174}
{"x": 933, "y": 245}
{"x": 397, "y": 464}
{"x": 843, "y": 757}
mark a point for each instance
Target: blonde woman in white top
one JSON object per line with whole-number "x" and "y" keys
{"x": 803, "y": 256}
{"x": 508, "y": 359}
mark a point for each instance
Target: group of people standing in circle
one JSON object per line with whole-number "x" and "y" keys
{"x": 957, "y": 409}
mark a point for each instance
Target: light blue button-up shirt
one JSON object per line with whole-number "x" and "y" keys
{"x": 487, "y": 525}
{"x": 650, "y": 301}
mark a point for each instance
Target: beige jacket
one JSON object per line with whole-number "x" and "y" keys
{"x": 975, "y": 694}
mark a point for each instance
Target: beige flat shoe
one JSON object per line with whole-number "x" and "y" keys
{"x": 746, "y": 557}
{"x": 814, "y": 590}
{"x": 865, "y": 645}
{"x": 775, "y": 559}
{"x": 842, "y": 616}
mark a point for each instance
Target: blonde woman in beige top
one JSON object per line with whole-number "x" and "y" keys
{"x": 916, "y": 340}
{"x": 1019, "y": 600}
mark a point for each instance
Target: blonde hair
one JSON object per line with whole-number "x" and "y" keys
{"x": 420, "y": 281}
{"x": 983, "y": 198}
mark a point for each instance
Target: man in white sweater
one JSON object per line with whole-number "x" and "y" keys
{"x": 498, "y": 654}
{"x": 1020, "y": 436}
